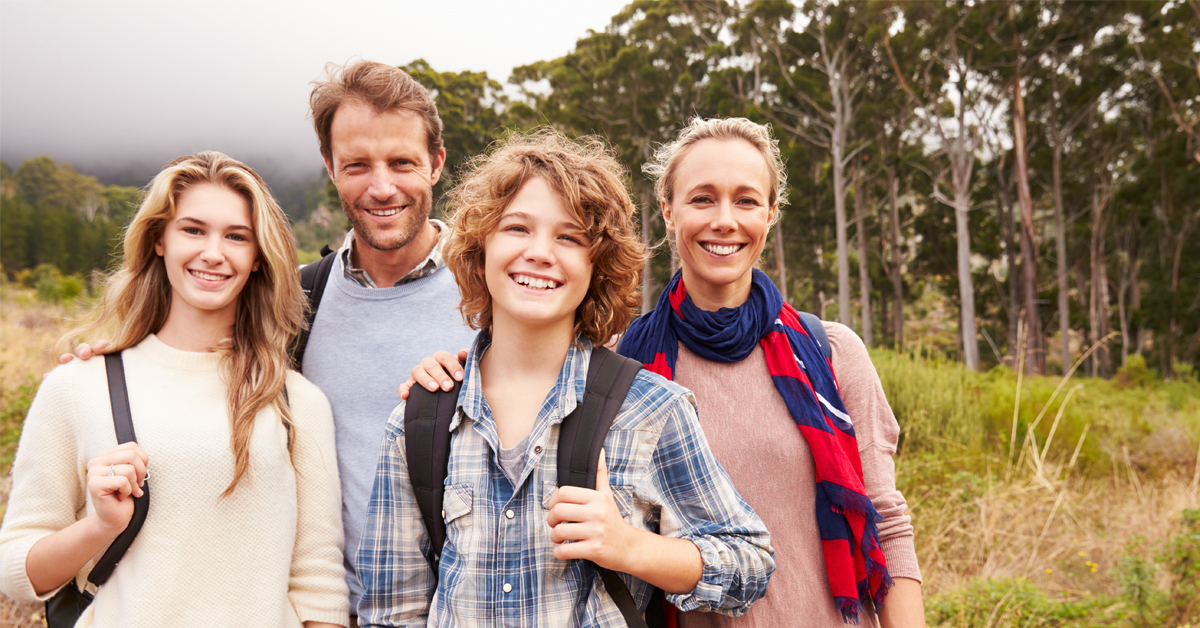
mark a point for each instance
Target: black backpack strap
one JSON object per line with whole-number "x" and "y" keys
{"x": 123, "y": 422}
{"x": 581, "y": 435}
{"x": 818, "y": 331}
{"x": 313, "y": 278}
{"x": 427, "y": 418}
{"x": 581, "y": 438}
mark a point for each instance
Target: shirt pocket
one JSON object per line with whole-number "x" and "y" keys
{"x": 573, "y": 571}
{"x": 460, "y": 529}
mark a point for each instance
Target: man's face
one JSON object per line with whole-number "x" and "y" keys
{"x": 383, "y": 173}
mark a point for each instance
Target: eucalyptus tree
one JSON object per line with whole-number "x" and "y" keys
{"x": 938, "y": 67}
{"x": 636, "y": 82}
{"x": 821, "y": 58}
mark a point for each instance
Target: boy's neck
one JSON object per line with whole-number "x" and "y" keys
{"x": 518, "y": 371}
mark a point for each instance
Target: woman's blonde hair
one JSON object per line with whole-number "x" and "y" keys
{"x": 663, "y": 167}
{"x": 270, "y": 308}
{"x": 590, "y": 181}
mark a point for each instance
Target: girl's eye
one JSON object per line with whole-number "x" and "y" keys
{"x": 237, "y": 237}
{"x": 192, "y": 230}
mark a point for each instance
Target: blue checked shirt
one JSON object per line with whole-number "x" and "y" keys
{"x": 498, "y": 567}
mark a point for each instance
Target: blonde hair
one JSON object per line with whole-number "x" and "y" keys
{"x": 590, "y": 181}
{"x": 270, "y": 308}
{"x": 667, "y": 158}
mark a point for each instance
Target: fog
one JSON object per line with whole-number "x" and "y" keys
{"x": 119, "y": 89}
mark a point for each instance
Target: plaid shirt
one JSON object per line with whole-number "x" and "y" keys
{"x": 431, "y": 263}
{"x": 497, "y": 566}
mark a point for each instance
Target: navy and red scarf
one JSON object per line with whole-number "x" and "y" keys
{"x": 804, "y": 378}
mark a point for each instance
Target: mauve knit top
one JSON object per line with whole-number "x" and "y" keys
{"x": 753, "y": 436}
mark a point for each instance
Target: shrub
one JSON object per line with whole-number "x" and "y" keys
{"x": 1134, "y": 373}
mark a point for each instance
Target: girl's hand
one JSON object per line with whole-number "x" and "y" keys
{"x": 593, "y": 521}
{"x": 114, "y": 478}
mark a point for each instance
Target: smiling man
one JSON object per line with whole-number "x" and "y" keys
{"x": 389, "y": 299}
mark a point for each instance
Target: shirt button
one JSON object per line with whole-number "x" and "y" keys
{"x": 507, "y": 588}
{"x": 537, "y": 449}
{"x": 509, "y": 513}
{"x": 443, "y": 513}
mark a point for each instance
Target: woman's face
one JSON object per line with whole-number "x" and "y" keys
{"x": 537, "y": 264}
{"x": 720, "y": 217}
{"x": 209, "y": 251}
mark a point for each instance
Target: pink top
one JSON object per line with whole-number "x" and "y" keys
{"x": 753, "y": 436}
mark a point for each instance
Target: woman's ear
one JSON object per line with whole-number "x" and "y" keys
{"x": 158, "y": 247}
{"x": 772, "y": 214}
{"x": 668, "y": 216}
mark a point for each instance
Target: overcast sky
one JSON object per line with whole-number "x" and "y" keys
{"x": 118, "y": 88}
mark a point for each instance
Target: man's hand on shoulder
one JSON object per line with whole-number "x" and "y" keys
{"x": 84, "y": 351}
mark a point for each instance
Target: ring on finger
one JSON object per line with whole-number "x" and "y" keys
{"x": 110, "y": 470}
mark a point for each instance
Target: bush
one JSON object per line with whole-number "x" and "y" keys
{"x": 1134, "y": 373}
{"x": 53, "y": 287}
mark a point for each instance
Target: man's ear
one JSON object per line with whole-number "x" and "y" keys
{"x": 329, "y": 168}
{"x": 439, "y": 162}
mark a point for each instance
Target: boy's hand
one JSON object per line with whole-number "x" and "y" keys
{"x": 436, "y": 371}
{"x": 593, "y": 521}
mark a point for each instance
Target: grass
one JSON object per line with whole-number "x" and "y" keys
{"x": 1089, "y": 516}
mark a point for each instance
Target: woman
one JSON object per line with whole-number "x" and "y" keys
{"x": 721, "y": 329}
{"x": 245, "y": 523}
{"x": 538, "y": 223}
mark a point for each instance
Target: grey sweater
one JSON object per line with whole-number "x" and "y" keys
{"x": 363, "y": 344}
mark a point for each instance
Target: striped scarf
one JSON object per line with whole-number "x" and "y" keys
{"x": 804, "y": 378}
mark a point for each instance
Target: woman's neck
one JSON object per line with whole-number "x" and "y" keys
{"x": 711, "y": 297}
{"x": 187, "y": 329}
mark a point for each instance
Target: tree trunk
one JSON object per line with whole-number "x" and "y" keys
{"x": 1008, "y": 229}
{"x": 1035, "y": 361}
{"x": 1098, "y": 308}
{"x": 1060, "y": 228}
{"x": 864, "y": 266}
{"x": 648, "y": 296}
{"x": 897, "y": 277}
{"x": 837, "y": 150}
{"x": 779, "y": 260}
{"x": 966, "y": 288}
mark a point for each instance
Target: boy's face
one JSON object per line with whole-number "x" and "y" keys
{"x": 537, "y": 264}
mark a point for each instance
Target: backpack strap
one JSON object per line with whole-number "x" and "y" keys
{"x": 427, "y": 417}
{"x": 580, "y": 440}
{"x": 581, "y": 434}
{"x": 818, "y": 331}
{"x": 313, "y": 278}
{"x": 123, "y": 422}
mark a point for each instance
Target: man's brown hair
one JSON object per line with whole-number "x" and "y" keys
{"x": 591, "y": 183}
{"x": 378, "y": 85}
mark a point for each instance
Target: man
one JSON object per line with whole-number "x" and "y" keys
{"x": 389, "y": 300}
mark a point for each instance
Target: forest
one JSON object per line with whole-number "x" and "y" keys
{"x": 1036, "y": 165}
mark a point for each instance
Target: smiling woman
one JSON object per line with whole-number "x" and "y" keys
{"x": 201, "y": 313}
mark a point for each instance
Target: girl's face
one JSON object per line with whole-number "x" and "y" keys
{"x": 537, "y": 264}
{"x": 209, "y": 251}
{"x": 720, "y": 218}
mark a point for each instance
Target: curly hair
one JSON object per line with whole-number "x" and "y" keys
{"x": 270, "y": 308}
{"x": 586, "y": 175}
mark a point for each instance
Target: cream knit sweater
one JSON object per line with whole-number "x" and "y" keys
{"x": 270, "y": 554}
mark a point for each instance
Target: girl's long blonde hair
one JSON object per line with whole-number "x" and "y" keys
{"x": 270, "y": 308}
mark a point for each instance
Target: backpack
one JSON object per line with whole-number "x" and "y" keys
{"x": 313, "y": 278}
{"x": 427, "y": 418}
{"x": 818, "y": 331}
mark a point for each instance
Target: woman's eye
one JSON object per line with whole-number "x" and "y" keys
{"x": 749, "y": 201}
{"x": 700, "y": 200}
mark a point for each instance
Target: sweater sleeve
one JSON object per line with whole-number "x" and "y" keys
{"x": 317, "y": 584}
{"x": 48, "y": 490}
{"x": 878, "y": 433}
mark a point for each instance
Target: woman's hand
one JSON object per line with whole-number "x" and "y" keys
{"x": 436, "y": 371}
{"x": 114, "y": 477}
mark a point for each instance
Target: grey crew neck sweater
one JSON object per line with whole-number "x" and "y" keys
{"x": 363, "y": 344}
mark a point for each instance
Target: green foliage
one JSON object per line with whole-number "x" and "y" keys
{"x": 53, "y": 287}
{"x": 1008, "y": 603}
{"x": 14, "y": 405}
{"x": 1134, "y": 373}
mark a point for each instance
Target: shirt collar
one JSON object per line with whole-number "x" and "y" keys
{"x": 431, "y": 263}
{"x": 567, "y": 393}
